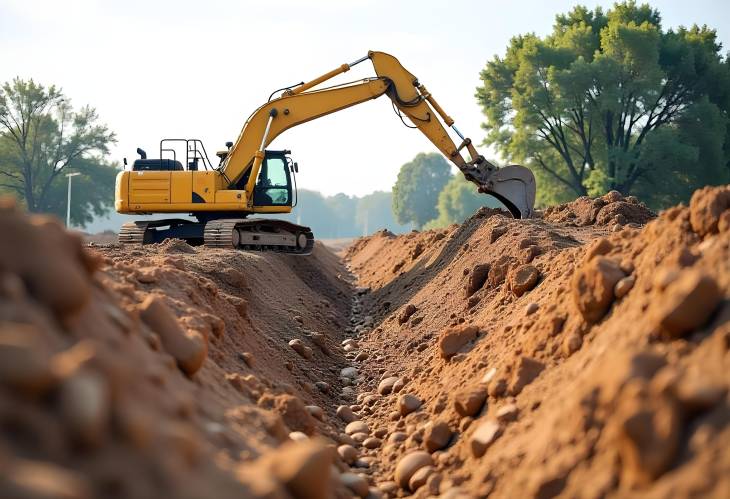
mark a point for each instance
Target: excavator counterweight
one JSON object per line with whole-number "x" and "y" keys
{"x": 253, "y": 180}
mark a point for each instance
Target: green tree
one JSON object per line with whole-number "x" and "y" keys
{"x": 374, "y": 213}
{"x": 611, "y": 101}
{"x": 41, "y": 139}
{"x": 417, "y": 188}
{"x": 458, "y": 200}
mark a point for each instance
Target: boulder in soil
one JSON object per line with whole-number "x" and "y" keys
{"x": 593, "y": 286}
{"x": 453, "y": 339}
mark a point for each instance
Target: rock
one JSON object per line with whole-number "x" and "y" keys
{"x": 522, "y": 279}
{"x": 697, "y": 394}
{"x": 349, "y": 348}
{"x": 488, "y": 376}
{"x": 507, "y": 413}
{"x": 593, "y": 285}
{"x": 497, "y": 387}
{"x": 298, "y": 436}
{"x": 349, "y": 372}
{"x": 386, "y": 386}
{"x": 303, "y": 468}
{"x": 531, "y": 308}
{"x": 300, "y": 348}
{"x": 292, "y": 410}
{"x": 357, "y": 427}
{"x": 420, "y": 477}
{"x": 397, "y": 436}
{"x": 437, "y": 436}
{"x": 572, "y": 343}
{"x": 84, "y": 404}
{"x": 389, "y": 488}
{"x": 469, "y": 401}
{"x": 686, "y": 304}
{"x": 408, "y": 403}
{"x": 359, "y": 437}
{"x": 485, "y": 434}
{"x": 372, "y": 443}
{"x": 25, "y": 362}
{"x": 598, "y": 247}
{"x": 527, "y": 370}
{"x": 315, "y": 411}
{"x": 477, "y": 278}
{"x": 398, "y": 385}
{"x": 452, "y": 339}
{"x": 322, "y": 386}
{"x": 499, "y": 270}
{"x": 406, "y": 313}
{"x": 356, "y": 483}
{"x": 348, "y": 453}
{"x": 362, "y": 356}
{"x": 409, "y": 465}
{"x": 345, "y": 414}
{"x": 623, "y": 286}
{"x": 706, "y": 207}
{"x": 320, "y": 340}
{"x": 188, "y": 349}
{"x": 39, "y": 480}
{"x": 248, "y": 358}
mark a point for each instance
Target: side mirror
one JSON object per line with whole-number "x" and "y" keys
{"x": 229, "y": 144}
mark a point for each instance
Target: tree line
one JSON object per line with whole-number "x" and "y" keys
{"x": 607, "y": 100}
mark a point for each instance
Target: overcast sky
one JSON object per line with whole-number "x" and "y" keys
{"x": 197, "y": 69}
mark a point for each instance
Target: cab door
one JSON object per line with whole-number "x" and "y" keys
{"x": 273, "y": 189}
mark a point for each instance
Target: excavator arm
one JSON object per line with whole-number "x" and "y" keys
{"x": 513, "y": 185}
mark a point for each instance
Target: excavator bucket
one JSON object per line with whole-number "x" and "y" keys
{"x": 514, "y": 186}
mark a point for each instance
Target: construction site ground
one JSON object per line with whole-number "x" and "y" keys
{"x": 584, "y": 353}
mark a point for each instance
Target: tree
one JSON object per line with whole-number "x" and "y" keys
{"x": 416, "y": 190}
{"x": 458, "y": 200}
{"x": 374, "y": 213}
{"x": 41, "y": 139}
{"x": 610, "y": 101}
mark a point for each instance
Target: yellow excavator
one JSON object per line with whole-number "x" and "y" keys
{"x": 251, "y": 179}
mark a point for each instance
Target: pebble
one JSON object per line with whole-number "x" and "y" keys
{"x": 357, "y": 427}
{"x": 437, "y": 436}
{"x": 488, "y": 376}
{"x": 397, "y": 436}
{"x": 686, "y": 304}
{"x": 348, "y": 453}
{"x": 356, "y": 483}
{"x": 359, "y": 437}
{"x": 531, "y": 308}
{"x": 345, "y": 414}
{"x": 362, "y": 356}
{"x": 349, "y": 348}
{"x": 507, "y": 413}
{"x": 386, "y": 385}
{"x": 389, "y": 487}
{"x": 623, "y": 287}
{"x": 303, "y": 468}
{"x": 420, "y": 478}
{"x": 469, "y": 401}
{"x": 315, "y": 411}
{"x": 300, "y": 348}
{"x": 408, "y": 403}
{"x": 349, "y": 372}
{"x": 84, "y": 402}
{"x": 453, "y": 339}
{"x": 485, "y": 434}
{"x": 398, "y": 385}
{"x": 298, "y": 436}
{"x": 409, "y": 465}
{"x": 372, "y": 443}
{"x": 322, "y": 386}
{"x": 23, "y": 366}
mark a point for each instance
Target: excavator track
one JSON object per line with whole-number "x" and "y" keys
{"x": 259, "y": 235}
{"x": 132, "y": 232}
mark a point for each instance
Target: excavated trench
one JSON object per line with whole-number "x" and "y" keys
{"x": 581, "y": 354}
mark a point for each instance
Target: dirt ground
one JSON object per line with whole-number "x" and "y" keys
{"x": 584, "y": 353}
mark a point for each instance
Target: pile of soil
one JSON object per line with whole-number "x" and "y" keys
{"x": 537, "y": 358}
{"x": 582, "y": 354}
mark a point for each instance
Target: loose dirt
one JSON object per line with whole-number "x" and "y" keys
{"x": 581, "y": 354}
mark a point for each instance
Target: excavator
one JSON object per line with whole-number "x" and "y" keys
{"x": 251, "y": 179}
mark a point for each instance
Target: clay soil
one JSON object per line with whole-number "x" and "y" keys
{"x": 583, "y": 353}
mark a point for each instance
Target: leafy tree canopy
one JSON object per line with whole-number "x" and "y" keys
{"x": 416, "y": 191}
{"x": 611, "y": 100}
{"x": 458, "y": 200}
{"x": 41, "y": 139}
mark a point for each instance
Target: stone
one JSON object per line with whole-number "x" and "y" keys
{"x": 357, "y": 427}
{"x": 406, "y": 313}
{"x": 526, "y": 371}
{"x": 408, "y": 403}
{"x": 372, "y": 443}
{"x": 359, "y": 437}
{"x": 706, "y": 208}
{"x": 349, "y": 372}
{"x": 300, "y": 348}
{"x": 398, "y": 385}
{"x": 189, "y": 349}
{"x": 488, "y": 376}
{"x": 437, "y": 436}
{"x": 345, "y": 414}
{"x": 348, "y": 453}
{"x": 298, "y": 436}
{"x": 531, "y": 308}
{"x": 315, "y": 411}
{"x": 452, "y": 339}
{"x": 593, "y": 287}
{"x": 356, "y": 483}
{"x": 420, "y": 478}
{"x": 477, "y": 278}
{"x": 484, "y": 436}
{"x": 522, "y": 279}
{"x": 84, "y": 405}
{"x": 322, "y": 386}
{"x": 303, "y": 468}
{"x": 25, "y": 365}
{"x": 623, "y": 286}
{"x": 686, "y": 304}
{"x": 469, "y": 401}
{"x": 386, "y": 385}
{"x": 362, "y": 356}
{"x": 397, "y": 436}
{"x": 507, "y": 413}
{"x": 572, "y": 343}
{"x": 409, "y": 465}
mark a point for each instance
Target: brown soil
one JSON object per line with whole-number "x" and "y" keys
{"x": 583, "y": 354}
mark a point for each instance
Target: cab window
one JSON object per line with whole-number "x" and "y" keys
{"x": 272, "y": 187}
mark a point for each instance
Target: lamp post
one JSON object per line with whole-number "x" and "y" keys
{"x": 68, "y": 202}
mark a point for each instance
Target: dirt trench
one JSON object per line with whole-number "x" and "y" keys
{"x": 580, "y": 354}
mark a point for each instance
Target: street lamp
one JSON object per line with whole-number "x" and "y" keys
{"x": 68, "y": 202}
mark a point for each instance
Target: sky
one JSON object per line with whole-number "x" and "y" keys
{"x": 156, "y": 69}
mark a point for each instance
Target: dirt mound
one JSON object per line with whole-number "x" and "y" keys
{"x": 556, "y": 358}
{"x": 611, "y": 209}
